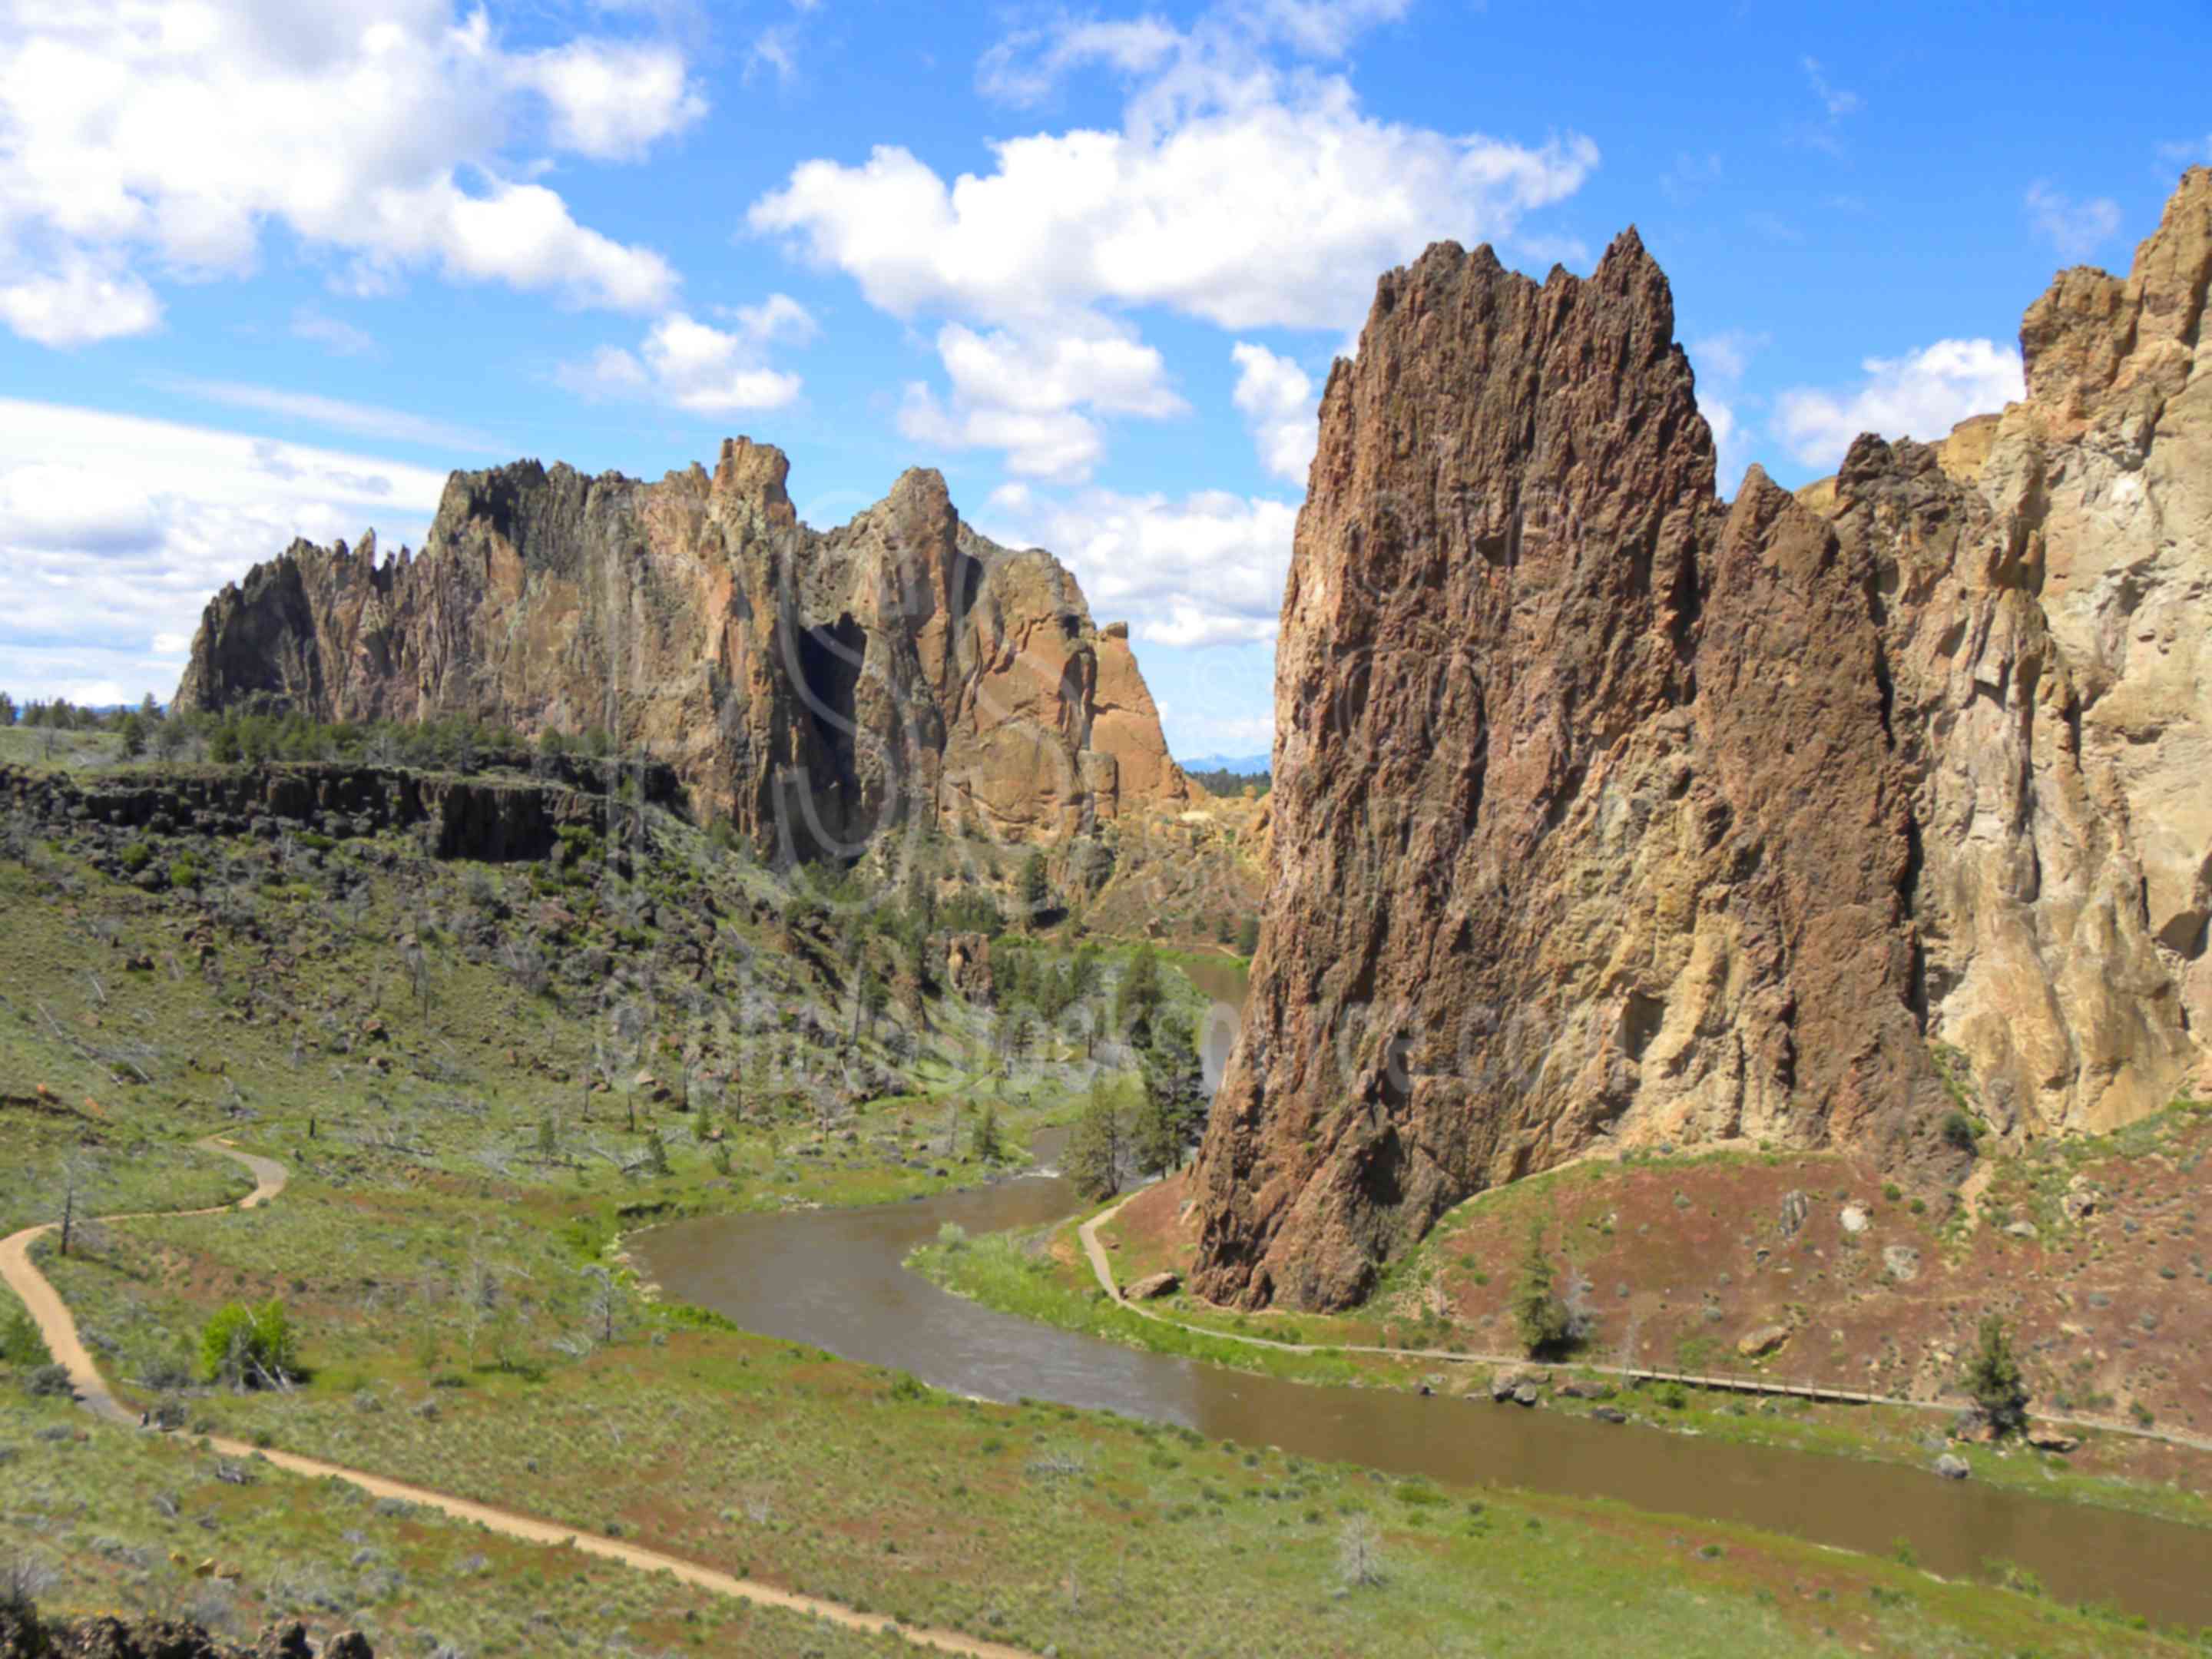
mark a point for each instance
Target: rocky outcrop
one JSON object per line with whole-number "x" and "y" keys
{"x": 814, "y": 687}
{"x": 490, "y": 818}
{"x": 1608, "y": 814}
{"x": 25, "y": 1634}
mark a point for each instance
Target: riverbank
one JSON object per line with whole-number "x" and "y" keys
{"x": 1046, "y": 1276}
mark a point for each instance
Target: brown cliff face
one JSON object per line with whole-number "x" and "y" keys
{"x": 816, "y": 687}
{"x": 1609, "y": 815}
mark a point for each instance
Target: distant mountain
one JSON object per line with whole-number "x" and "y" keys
{"x": 1246, "y": 764}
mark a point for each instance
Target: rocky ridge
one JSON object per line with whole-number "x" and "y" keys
{"x": 815, "y": 687}
{"x": 1608, "y": 814}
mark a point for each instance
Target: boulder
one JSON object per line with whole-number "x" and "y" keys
{"x": 1763, "y": 1340}
{"x": 1152, "y": 1286}
{"x": 1951, "y": 1467}
{"x": 1855, "y": 1218}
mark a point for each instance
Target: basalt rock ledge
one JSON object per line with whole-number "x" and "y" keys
{"x": 1609, "y": 814}
{"x": 815, "y": 688}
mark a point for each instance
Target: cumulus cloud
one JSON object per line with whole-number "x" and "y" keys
{"x": 1921, "y": 395}
{"x": 165, "y": 138}
{"x": 612, "y": 99}
{"x": 1020, "y": 391}
{"x": 76, "y": 300}
{"x": 2077, "y": 229}
{"x": 1194, "y": 218}
{"x": 1206, "y": 569}
{"x": 1184, "y": 206}
{"x": 695, "y": 366}
{"x": 115, "y": 530}
{"x": 1277, "y": 401}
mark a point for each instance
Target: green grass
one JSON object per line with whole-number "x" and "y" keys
{"x": 1015, "y": 1273}
{"x": 455, "y": 1199}
{"x": 1023, "y": 1274}
{"x": 114, "y": 1519}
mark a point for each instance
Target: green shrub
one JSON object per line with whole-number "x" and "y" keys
{"x": 1958, "y": 1130}
{"x": 136, "y": 856}
{"x": 47, "y": 1381}
{"x": 248, "y": 1346}
{"x": 20, "y": 1344}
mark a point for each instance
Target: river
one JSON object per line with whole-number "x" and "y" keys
{"x": 833, "y": 1279}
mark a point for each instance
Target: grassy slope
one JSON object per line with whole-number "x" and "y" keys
{"x": 426, "y": 1180}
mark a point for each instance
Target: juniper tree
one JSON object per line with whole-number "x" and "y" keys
{"x": 1994, "y": 1379}
{"x": 1540, "y": 1317}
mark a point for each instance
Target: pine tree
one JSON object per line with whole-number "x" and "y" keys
{"x": 1539, "y": 1315}
{"x": 1156, "y": 1138}
{"x": 1137, "y": 997}
{"x": 1095, "y": 1150}
{"x": 1993, "y": 1378}
{"x": 1036, "y": 888}
{"x": 984, "y": 1143}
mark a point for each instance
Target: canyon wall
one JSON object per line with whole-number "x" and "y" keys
{"x": 815, "y": 688}
{"x": 1611, "y": 814}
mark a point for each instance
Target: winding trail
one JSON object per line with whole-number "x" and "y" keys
{"x": 56, "y": 1325}
{"x": 1101, "y": 1266}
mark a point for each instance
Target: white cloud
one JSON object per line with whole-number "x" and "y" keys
{"x": 1204, "y": 570}
{"x": 1109, "y": 371}
{"x": 1726, "y": 355}
{"x": 1024, "y": 66}
{"x": 1721, "y": 361}
{"x": 1021, "y": 390}
{"x": 695, "y": 366}
{"x": 361, "y": 420}
{"x": 2195, "y": 152}
{"x": 1058, "y": 445}
{"x": 79, "y": 299}
{"x": 613, "y": 99}
{"x": 1921, "y": 395}
{"x": 1731, "y": 442}
{"x": 1276, "y": 210}
{"x": 1235, "y": 191}
{"x": 2077, "y": 229}
{"x": 115, "y": 530}
{"x": 340, "y": 338}
{"x": 167, "y": 136}
{"x": 1320, "y": 28}
{"x": 1834, "y": 102}
{"x": 1280, "y": 406}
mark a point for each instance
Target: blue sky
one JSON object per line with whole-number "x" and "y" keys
{"x": 268, "y": 270}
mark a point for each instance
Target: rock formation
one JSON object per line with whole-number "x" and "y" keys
{"x": 1608, "y": 814}
{"x": 814, "y": 687}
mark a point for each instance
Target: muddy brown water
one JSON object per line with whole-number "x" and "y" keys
{"x": 833, "y": 1279}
